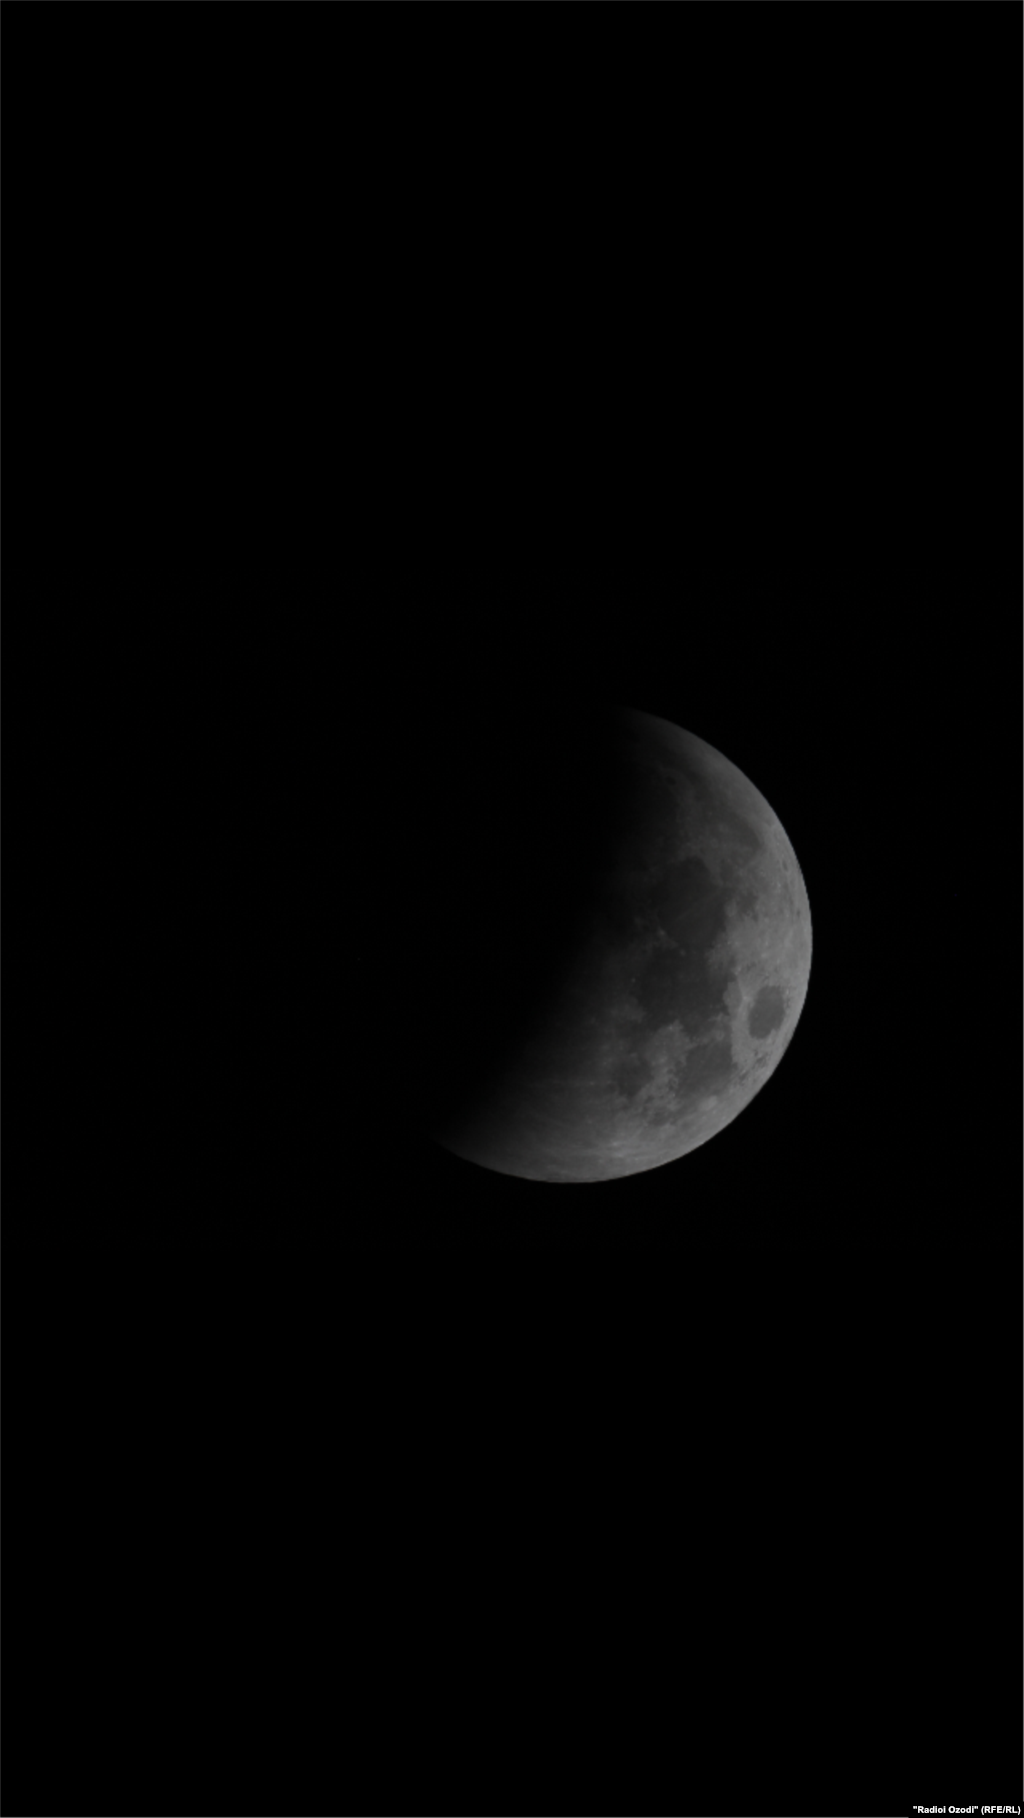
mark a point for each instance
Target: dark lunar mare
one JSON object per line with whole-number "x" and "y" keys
{"x": 767, "y": 1012}
{"x": 709, "y": 1067}
{"x": 631, "y": 1075}
{"x": 686, "y": 905}
{"x": 678, "y": 983}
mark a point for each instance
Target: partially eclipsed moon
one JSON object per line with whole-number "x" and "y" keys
{"x": 690, "y": 977}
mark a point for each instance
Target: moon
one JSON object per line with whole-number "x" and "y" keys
{"x": 687, "y": 975}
